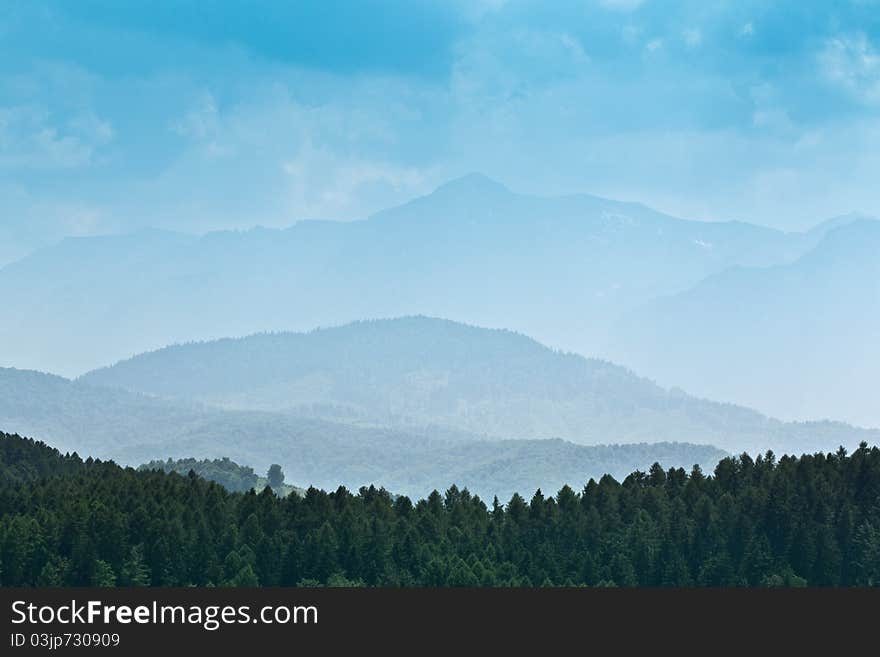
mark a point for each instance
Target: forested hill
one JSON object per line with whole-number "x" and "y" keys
{"x": 813, "y": 520}
{"x": 23, "y": 460}
{"x": 417, "y": 371}
{"x": 131, "y": 429}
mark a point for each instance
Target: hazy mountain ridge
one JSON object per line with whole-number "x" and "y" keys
{"x": 131, "y": 429}
{"x": 419, "y": 371}
{"x": 560, "y": 269}
{"x": 815, "y": 321}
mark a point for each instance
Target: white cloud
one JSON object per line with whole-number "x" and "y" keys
{"x": 321, "y": 183}
{"x": 853, "y": 63}
{"x": 30, "y": 140}
{"x": 274, "y": 157}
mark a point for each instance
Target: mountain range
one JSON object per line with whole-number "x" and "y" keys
{"x": 559, "y": 269}
{"x": 418, "y": 372}
{"x": 131, "y": 429}
{"x": 786, "y": 323}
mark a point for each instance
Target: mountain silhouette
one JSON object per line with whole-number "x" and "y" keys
{"x": 561, "y": 269}
{"x": 425, "y": 372}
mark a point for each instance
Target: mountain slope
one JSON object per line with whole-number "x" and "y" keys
{"x": 133, "y": 429}
{"x": 418, "y": 371}
{"x": 747, "y": 334}
{"x": 560, "y": 269}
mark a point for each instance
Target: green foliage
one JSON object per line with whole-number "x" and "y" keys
{"x": 103, "y": 574}
{"x": 275, "y": 476}
{"x": 339, "y": 580}
{"x": 813, "y": 520}
{"x": 245, "y": 577}
{"x": 225, "y": 472}
{"x": 134, "y": 569}
{"x": 229, "y": 474}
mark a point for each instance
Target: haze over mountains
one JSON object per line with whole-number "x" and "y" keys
{"x": 412, "y": 404}
{"x": 424, "y": 372}
{"x": 133, "y": 429}
{"x": 802, "y": 338}
{"x": 579, "y": 273}
{"x": 559, "y": 269}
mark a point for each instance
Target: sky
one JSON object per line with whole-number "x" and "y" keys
{"x": 196, "y": 115}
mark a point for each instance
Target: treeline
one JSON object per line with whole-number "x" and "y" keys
{"x": 813, "y": 520}
{"x": 226, "y": 472}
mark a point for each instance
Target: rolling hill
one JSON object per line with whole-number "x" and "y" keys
{"x": 419, "y": 372}
{"x": 131, "y": 429}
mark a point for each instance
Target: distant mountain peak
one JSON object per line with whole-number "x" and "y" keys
{"x": 472, "y": 184}
{"x": 841, "y": 221}
{"x": 460, "y": 197}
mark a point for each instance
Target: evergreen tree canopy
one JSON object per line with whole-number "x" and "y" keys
{"x": 811, "y": 520}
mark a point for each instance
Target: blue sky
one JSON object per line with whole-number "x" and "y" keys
{"x": 202, "y": 115}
